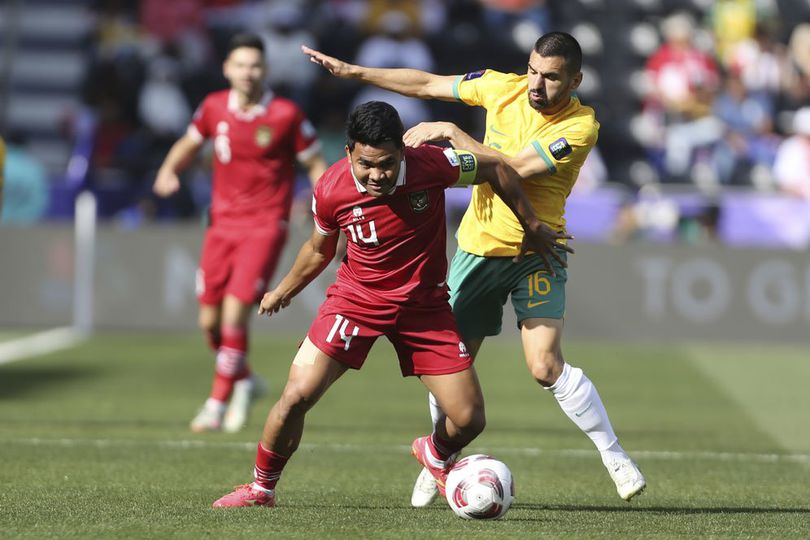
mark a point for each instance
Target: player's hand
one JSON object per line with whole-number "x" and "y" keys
{"x": 428, "y": 131}
{"x": 336, "y": 67}
{"x": 544, "y": 242}
{"x": 273, "y": 302}
{"x": 166, "y": 184}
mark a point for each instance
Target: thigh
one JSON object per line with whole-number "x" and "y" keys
{"x": 255, "y": 260}
{"x": 477, "y": 295}
{"x": 236, "y": 312}
{"x": 536, "y": 293}
{"x": 345, "y": 331}
{"x": 427, "y": 341}
{"x": 312, "y": 373}
{"x": 541, "y": 336}
{"x": 215, "y": 267}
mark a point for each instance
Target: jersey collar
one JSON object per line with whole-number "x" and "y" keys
{"x": 400, "y": 179}
{"x": 257, "y": 110}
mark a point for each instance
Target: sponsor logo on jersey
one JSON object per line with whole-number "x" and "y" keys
{"x": 357, "y": 213}
{"x": 474, "y": 75}
{"x": 419, "y": 201}
{"x": 462, "y": 350}
{"x": 560, "y": 148}
{"x": 263, "y": 136}
{"x": 467, "y": 162}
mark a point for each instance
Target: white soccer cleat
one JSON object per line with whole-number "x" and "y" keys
{"x": 627, "y": 477}
{"x": 425, "y": 490}
{"x": 208, "y": 419}
{"x": 244, "y": 393}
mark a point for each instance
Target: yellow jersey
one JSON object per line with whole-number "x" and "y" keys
{"x": 563, "y": 141}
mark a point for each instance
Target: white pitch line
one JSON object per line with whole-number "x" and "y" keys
{"x": 39, "y": 344}
{"x": 180, "y": 444}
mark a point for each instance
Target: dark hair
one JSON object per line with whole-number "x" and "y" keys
{"x": 374, "y": 123}
{"x": 561, "y": 44}
{"x": 251, "y": 41}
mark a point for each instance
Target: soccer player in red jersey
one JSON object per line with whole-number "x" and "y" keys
{"x": 389, "y": 201}
{"x": 257, "y": 138}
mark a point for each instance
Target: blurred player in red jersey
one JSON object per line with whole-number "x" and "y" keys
{"x": 257, "y": 137}
{"x": 389, "y": 201}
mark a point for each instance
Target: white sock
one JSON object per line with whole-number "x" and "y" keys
{"x": 215, "y": 405}
{"x": 257, "y": 487}
{"x": 436, "y": 413}
{"x": 579, "y": 399}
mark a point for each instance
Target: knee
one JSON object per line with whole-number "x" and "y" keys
{"x": 295, "y": 401}
{"x": 471, "y": 419}
{"x": 209, "y": 325}
{"x": 546, "y": 367}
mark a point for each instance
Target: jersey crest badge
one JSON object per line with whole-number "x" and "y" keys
{"x": 419, "y": 201}
{"x": 473, "y": 75}
{"x": 263, "y": 136}
{"x": 560, "y": 148}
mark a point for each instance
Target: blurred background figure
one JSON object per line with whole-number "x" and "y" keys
{"x": 24, "y": 195}
{"x": 2, "y": 172}
{"x": 397, "y": 44}
{"x": 748, "y": 141}
{"x": 792, "y": 167}
{"x": 283, "y": 31}
{"x": 683, "y": 82}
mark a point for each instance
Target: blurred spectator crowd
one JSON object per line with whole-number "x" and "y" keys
{"x": 704, "y": 105}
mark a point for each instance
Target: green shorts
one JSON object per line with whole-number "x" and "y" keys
{"x": 479, "y": 287}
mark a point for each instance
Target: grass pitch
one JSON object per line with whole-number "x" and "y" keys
{"x": 94, "y": 444}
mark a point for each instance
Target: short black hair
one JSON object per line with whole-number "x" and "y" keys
{"x": 561, "y": 44}
{"x": 374, "y": 123}
{"x": 251, "y": 41}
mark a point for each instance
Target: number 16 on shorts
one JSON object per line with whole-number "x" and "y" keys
{"x": 340, "y": 327}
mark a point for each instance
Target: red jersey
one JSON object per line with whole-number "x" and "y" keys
{"x": 254, "y": 156}
{"x": 396, "y": 248}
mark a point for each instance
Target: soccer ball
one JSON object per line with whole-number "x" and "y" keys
{"x": 480, "y": 487}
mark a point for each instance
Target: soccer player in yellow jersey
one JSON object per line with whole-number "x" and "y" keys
{"x": 545, "y": 133}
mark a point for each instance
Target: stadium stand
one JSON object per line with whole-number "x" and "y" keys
{"x": 81, "y": 71}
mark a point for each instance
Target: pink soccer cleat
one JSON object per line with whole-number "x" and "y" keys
{"x": 420, "y": 451}
{"x": 246, "y": 495}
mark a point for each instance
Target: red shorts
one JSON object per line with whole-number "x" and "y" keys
{"x": 424, "y": 336}
{"x": 239, "y": 262}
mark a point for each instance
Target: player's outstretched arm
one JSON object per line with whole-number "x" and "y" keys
{"x": 409, "y": 82}
{"x": 180, "y": 155}
{"x": 527, "y": 162}
{"x": 314, "y": 256}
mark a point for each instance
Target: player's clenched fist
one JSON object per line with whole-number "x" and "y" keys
{"x": 272, "y": 302}
{"x": 167, "y": 183}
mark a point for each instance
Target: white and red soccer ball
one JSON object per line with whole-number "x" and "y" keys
{"x": 480, "y": 487}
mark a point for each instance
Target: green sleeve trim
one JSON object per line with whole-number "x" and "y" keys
{"x": 468, "y": 168}
{"x": 456, "y": 84}
{"x": 539, "y": 149}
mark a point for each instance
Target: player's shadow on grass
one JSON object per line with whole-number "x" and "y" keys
{"x": 19, "y": 381}
{"x": 663, "y": 509}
